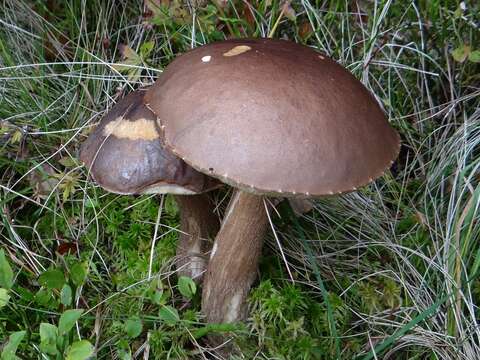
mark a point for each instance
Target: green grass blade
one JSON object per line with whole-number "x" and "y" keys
{"x": 316, "y": 271}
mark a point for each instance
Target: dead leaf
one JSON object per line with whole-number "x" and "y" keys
{"x": 67, "y": 247}
{"x": 248, "y": 15}
{"x": 288, "y": 11}
{"x": 359, "y": 9}
{"x": 129, "y": 64}
{"x": 305, "y": 30}
{"x": 461, "y": 53}
{"x": 300, "y": 206}
{"x": 43, "y": 181}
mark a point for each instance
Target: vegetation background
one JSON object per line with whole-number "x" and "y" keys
{"x": 396, "y": 265}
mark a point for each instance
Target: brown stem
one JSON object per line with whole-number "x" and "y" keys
{"x": 198, "y": 224}
{"x": 234, "y": 259}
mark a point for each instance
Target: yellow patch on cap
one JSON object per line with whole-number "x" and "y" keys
{"x": 141, "y": 129}
{"x": 237, "y": 50}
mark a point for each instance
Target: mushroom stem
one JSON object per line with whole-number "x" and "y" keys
{"x": 234, "y": 259}
{"x": 198, "y": 224}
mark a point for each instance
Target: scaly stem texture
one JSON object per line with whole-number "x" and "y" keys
{"x": 198, "y": 225}
{"x": 234, "y": 259}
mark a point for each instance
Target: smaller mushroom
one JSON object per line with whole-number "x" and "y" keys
{"x": 124, "y": 155}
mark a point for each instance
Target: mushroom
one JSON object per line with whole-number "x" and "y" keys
{"x": 270, "y": 118}
{"x": 124, "y": 155}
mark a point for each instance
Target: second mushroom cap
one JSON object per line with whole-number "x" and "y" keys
{"x": 125, "y": 155}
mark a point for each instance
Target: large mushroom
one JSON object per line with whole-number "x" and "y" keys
{"x": 270, "y": 118}
{"x": 124, "y": 155}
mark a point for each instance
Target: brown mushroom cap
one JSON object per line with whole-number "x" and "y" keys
{"x": 272, "y": 117}
{"x": 124, "y": 154}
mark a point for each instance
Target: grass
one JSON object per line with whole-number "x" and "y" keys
{"x": 389, "y": 272}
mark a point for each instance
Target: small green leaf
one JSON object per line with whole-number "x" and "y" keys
{"x": 186, "y": 286}
{"x": 66, "y": 295}
{"x": 52, "y": 279}
{"x": 67, "y": 320}
{"x": 457, "y": 13}
{"x": 133, "y": 327}
{"x": 4, "y": 297}
{"x": 43, "y": 296}
{"x": 6, "y": 273}
{"x": 157, "y": 297}
{"x": 16, "y": 137}
{"x": 67, "y": 190}
{"x": 48, "y": 338}
{"x": 146, "y": 48}
{"x": 474, "y": 56}
{"x": 61, "y": 341}
{"x": 78, "y": 273}
{"x": 24, "y": 294}
{"x": 10, "y": 348}
{"x": 169, "y": 314}
{"x": 461, "y": 53}
{"x": 90, "y": 203}
{"x": 124, "y": 355}
{"x": 80, "y": 350}
{"x": 215, "y": 328}
{"x": 68, "y": 161}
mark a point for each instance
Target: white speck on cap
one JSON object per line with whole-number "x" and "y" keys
{"x": 206, "y": 58}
